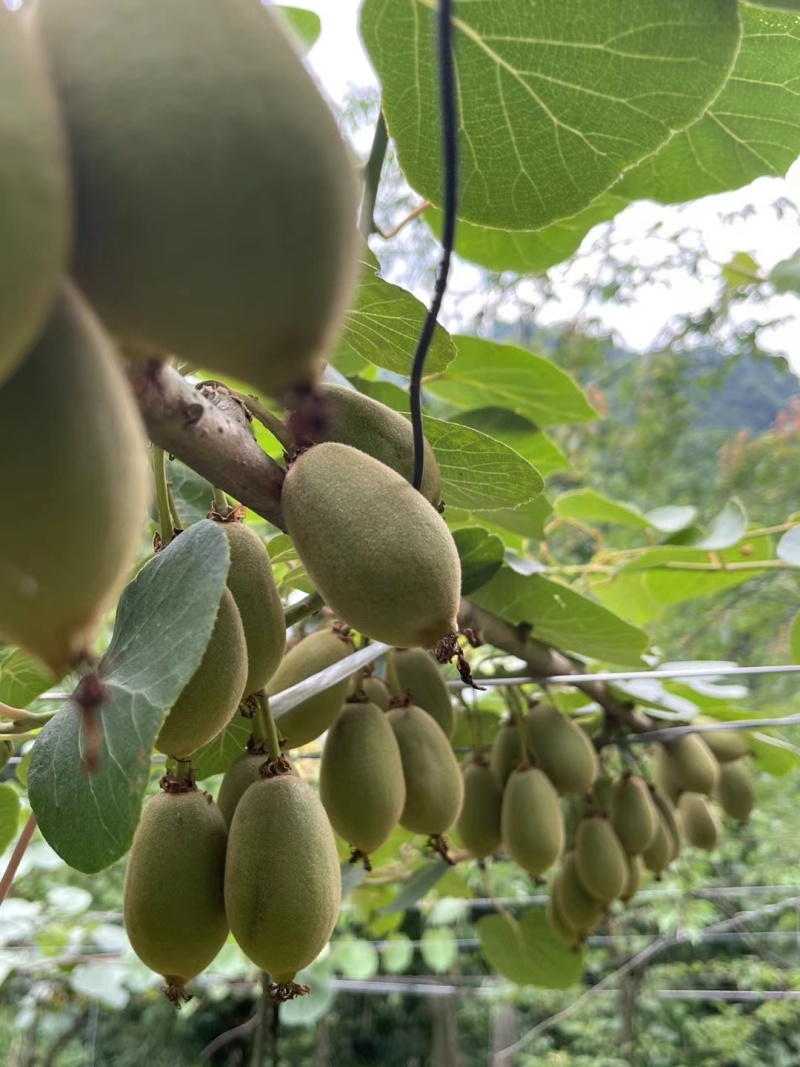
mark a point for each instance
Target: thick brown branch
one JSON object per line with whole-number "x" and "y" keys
{"x": 187, "y": 425}
{"x": 544, "y": 661}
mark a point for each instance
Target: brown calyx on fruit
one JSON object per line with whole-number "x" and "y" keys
{"x": 448, "y": 649}
{"x": 441, "y": 846}
{"x": 175, "y": 993}
{"x": 273, "y": 768}
{"x": 357, "y": 856}
{"x": 280, "y": 992}
{"x": 183, "y": 783}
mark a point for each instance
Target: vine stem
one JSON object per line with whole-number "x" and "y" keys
{"x": 277, "y": 427}
{"x": 165, "y": 527}
{"x": 372, "y": 177}
{"x": 392, "y": 676}
{"x": 447, "y": 96}
{"x": 20, "y": 848}
{"x": 310, "y": 605}
{"x": 514, "y": 704}
{"x": 264, "y": 727}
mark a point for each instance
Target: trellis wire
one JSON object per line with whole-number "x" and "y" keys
{"x": 669, "y": 674}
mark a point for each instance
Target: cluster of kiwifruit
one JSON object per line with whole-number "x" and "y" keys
{"x": 174, "y": 184}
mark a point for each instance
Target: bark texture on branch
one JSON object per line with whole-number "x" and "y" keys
{"x": 188, "y": 425}
{"x": 544, "y": 661}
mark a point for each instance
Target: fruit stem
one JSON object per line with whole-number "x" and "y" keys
{"x": 183, "y": 770}
{"x": 310, "y": 605}
{"x": 16, "y": 856}
{"x": 221, "y": 505}
{"x": 165, "y": 527}
{"x": 277, "y": 427}
{"x": 515, "y": 706}
{"x": 392, "y": 676}
{"x": 264, "y": 728}
{"x": 372, "y": 177}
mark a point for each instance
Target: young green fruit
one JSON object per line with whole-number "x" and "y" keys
{"x": 34, "y": 208}
{"x": 701, "y": 825}
{"x": 361, "y": 782}
{"x": 283, "y": 885}
{"x": 532, "y": 821}
{"x": 634, "y": 879}
{"x": 376, "y": 691}
{"x": 555, "y": 917}
{"x": 253, "y": 587}
{"x": 601, "y": 860}
{"x": 665, "y": 774}
{"x": 211, "y": 697}
{"x": 173, "y": 903}
{"x": 478, "y": 824}
{"x": 506, "y": 752}
{"x": 735, "y": 791}
{"x": 380, "y": 555}
{"x": 561, "y": 749}
{"x": 696, "y": 769}
{"x": 215, "y": 210}
{"x": 632, "y": 813}
{"x": 726, "y": 745}
{"x": 304, "y": 723}
{"x": 658, "y": 854}
{"x": 579, "y": 910}
{"x": 418, "y": 671}
{"x": 668, "y": 815}
{"x": 239, "y": 777}
{"x": 351, "y": 418}
{"x": 80, "y": 489}
{"x": 434, "y": 786}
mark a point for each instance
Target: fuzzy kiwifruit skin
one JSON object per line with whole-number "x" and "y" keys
{"x": 726, "y": 745}
{"x": 735, "y": 791}
{"x": 701, "y": 825}
{"x": 351, "y": 418}
{"x": 632, "y": 814}
{"x": 380, "y": 555}
{"x": 669, "y": 817}
{"x": 556, "y": 919}
{"x": 314, "y": 716}
{"x": 73, "y": 458}
{"x": 562, "y": 749}
{"x": 506, "y": 751}
{"x": 361, "y": 782}
{"x": 376, "y": 691}
{"x": 665, "y": 774}
{"x": 602, "y": 864}
{"x": 173, "y": 903}
{"x": 250, "y": 283}
{"x": 634, "y": 879}
{"x": 578, "y": 909}
{"x": 253, "y": 587}
{"x": 283, "y": 885}
{"x": 478, "y": 824}
{"x": 658, "y": 854}
{"x": 418, "y": 671}
{"x": 434, "y": 786}
{"x": 696, "y": 768}
{"x": 532, "y": 821}
{"x": 239, "y": 777}
{"x": 210, "y": 698}
{"x": 35, "y": 204}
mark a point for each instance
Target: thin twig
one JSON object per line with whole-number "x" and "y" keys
{"x": 310, "y": 605}
{"x": 447, "y": 96}
{"x": 415, "y": 213}
{"x": 20, "y": 848}
{"x": 223, "y": 1039}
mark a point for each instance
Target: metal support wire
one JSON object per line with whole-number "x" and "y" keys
{"x": 666, "y": 674}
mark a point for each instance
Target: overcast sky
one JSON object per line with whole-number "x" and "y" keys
{"x": 341, "y": 64}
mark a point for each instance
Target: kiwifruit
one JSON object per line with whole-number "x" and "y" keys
{"x": 669, "y": 817}
{"x": 380, "y": 555}
{"x": 210, "y": 698}
{"x": 253, "y": 588}
{"x": 506, "y": 751}
{"x": 418, "y": 671}
{"x": 361, "y": 782}
{"x": 634, "y": 878}
{"x": 726, "y": 745}
{"x": 735, "y": 791}
{"x": 376, "y": 691}
{"x": 701, "y": 825}
{"x": 215, "y": 213}
{"x": 239, "y": 776}
{"x": 602, "y": 864}
{"x": 579, "y": 910}
{"x": 321, "y": 649}
{"x": 632, "y": 813}
{"x": 173, "y": 903}
{"x": 478, "y": 824}
{"x": 696, "y": 768}
{"x": 283, "y": 884}
{"x": 351, "y": 418}
{"x": 532, "y": 821}
{"x": 434, "y": 786}
{"x": 74, "y": 461}
{"x": 34, "y": 208}
{"x": 555, "y": 917}
{"x": 658, "y": 854}
{"x": 665, "y": 773}
{"x": 561, "y": 749}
